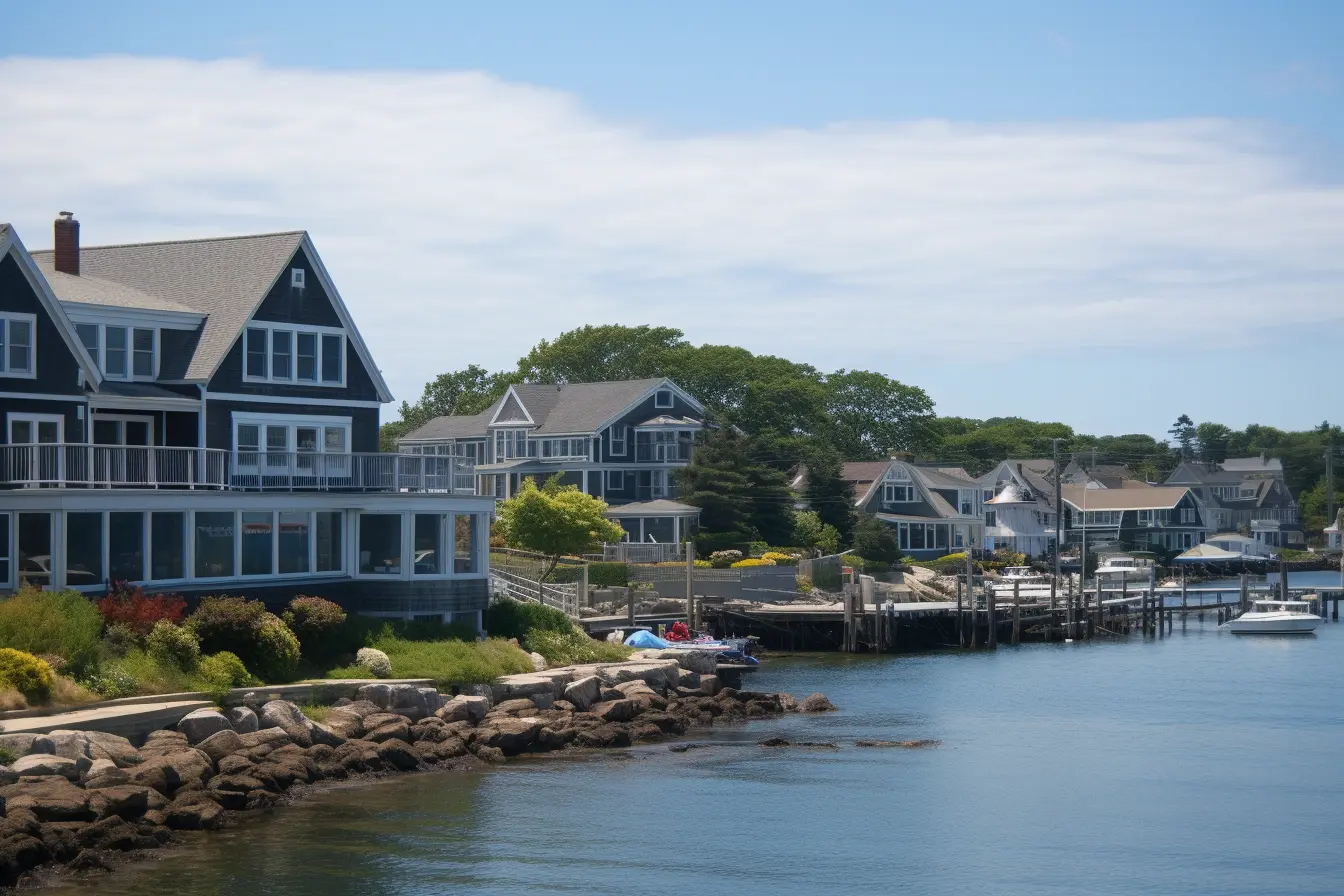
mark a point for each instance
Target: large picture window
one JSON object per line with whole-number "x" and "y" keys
{"x": 83, "y": 549}
{"x": 284, "y": 354}
{"x": 465, "y": 542}
{"x": 330, "y": 551}
{"x": 214, "y": 544}
{"x": 4, "y": 549}
{"x": 126, "y": 546}
{"x": 428, "y": 532}
{"x": 258, "y": 543}
{"x": 294, "y": 543}
{"x": 380, "y": 544}
{"x": 126, "y": 352}
{"x": 34, "y": 538}
{"x": 167, "y": 545}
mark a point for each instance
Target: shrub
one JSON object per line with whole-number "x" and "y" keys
{"x": 804, "y": 584}
{"x": 875, "y": 540}
{"x": 112, "y": 683}
{"x": 724, "y": 559}
{"x": 228, "y": 623}
{"x": 244, "y": 628}
{"x": 703, "y": 564}
{"x": 277, "y": 650}
{"x": 447, "y": 662}
{"x": 63, "y": 623}
{"x": 149, "y": 675}
{"x": 375, "y": 661}
{"x": 219, "y": 674}
{"x": 508, "y": 618}
{"x": 119, "y": 640}
{"x": 757, "y": 548}
{"x": 877, "y": 567}
{"x": 780, "y": 558}
{"x": 313, "y": 621}
{"x": 25, "y": 673}
{"x": 10, "y": 700}
{"x": 853, "y": 560}
{"x": 574, "y": 646}
{"x": 127, "y": 605}
{"x": 68, "y": 692}
{"x": 751, "y": 562}
{"x": 8, "y": 756}
{"x": 948, "y": 564}
{"x": 174, "y": 645}
{"x": 608, "y": 575}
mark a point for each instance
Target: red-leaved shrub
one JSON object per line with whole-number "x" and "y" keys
{"x": 128, "y": 605}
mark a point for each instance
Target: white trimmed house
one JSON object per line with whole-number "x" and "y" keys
{"x": 201, "y": 416}
{"x": 933, "y": 510}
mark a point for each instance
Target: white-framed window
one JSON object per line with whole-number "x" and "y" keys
{"x": 510, "y": 444}
{"x": 620, "y": 437}
{"x": 1145, "y": 517}
{"x": 91, "y": 336}
{"x": 18, "y": 345}
{"x": 657, "y": 484}
{"x": 297, "y": 277}
{"x": 616, "y": 479}
{"x": 662, "y": 398}
{"x": 269, "y": 439}
{"x": 275, "y": 353}
{"x": 1187, "y": 514}
{"x": 895, "y": 493}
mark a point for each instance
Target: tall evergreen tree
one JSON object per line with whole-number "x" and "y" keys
{"x": 827, "y": 494}
{"x": 716, "y": 482}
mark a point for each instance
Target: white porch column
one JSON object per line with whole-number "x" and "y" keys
{"x": 585, "y": 483}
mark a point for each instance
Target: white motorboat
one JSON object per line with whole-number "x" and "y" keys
{"x": 1275, "y": 617}
{"x": 1117, "y": 568}
{"x": 1024, "y": 579}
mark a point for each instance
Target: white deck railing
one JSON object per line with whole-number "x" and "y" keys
{"x": 136, "y": 466}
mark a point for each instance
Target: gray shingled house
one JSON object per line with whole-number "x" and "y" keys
{"x": 621, "y": 441}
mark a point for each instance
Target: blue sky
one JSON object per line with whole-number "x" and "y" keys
{"x": 625, "y": 162}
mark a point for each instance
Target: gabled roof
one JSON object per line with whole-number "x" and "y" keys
{"x": 86, "y": 290}
{"x": 560, "y": 409}
{"x": 11, "y": 244}
{"x": 1151, "y": 498}
{"x": 1252, "y": 465}
{"x": 224, "y": 278}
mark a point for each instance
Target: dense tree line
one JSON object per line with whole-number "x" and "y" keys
{"x": 773, "y": 414}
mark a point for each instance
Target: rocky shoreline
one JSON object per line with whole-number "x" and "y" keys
{"x": 89, "y": 801}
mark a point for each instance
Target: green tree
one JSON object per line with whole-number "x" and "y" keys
{"x": 827, "y": 494}
{"x": 597, "y": 354}
{"x": 772, "y": 503}
{"x": 1213, "y": 439}
{"x": 871, "y": 415}
{"x": 715, "y": 481}
{"x": 1183, "y": 433}
{"x": 467, "y": 391}
{"x": 555, "y": 520}
{"x": 875, "y": 540}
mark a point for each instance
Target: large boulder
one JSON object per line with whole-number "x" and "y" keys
{"x": 509, "y": 735}
{"x": 325, "y": 735}
{"x": 168, "y": 772}
{"x": 243, "y": 719}
{"x": 516, "y": 706}
{"x": 345, "y": 722}
{"x": 386, "y": 726}
{"x": 398, "y": 754}
{"x": 653, "y": 673}
{"x": 816, "y": 703}
{"x": 616, "y": 710}
{"x": 193, "y": 812}
{"x": 160, "y": 742}
{"x": 111, "y": 746}
{"x": 641, "y": 693}
{"x": 125, "y": 800}
{"x": 44, "y": 764}
{"x": 266, "y": 737}
{"x": 380, "y": 695}
{"x": 104, "y": 773}
{"x": 53, "y": 798}
{"x": 463, "y": 708}
{"x": 538, "y": 662}
{"x": 513, "y": 687}
{"x": 24, "y": 744}
{"x": 415, "y": 703}
{"x": 289, "y": 718}
{"x": 221, "y": 744}
{"x": 202, "y": 723}
{"x": 701, "y": 661}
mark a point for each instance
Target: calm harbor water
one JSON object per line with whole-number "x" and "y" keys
{"x": 1200, "y": 764}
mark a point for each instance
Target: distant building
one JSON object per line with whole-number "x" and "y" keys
{"x": 620, "y": 441}
{"x": 932, "y": 509}
{"x": 1019, "y": 507}
{"x": 1245, "y": 494}
{"x": 1133, "y": 518}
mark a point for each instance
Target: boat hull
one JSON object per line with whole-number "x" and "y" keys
{"x": 1273, "y": 625}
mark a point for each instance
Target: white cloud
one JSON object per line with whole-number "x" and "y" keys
{"x": 465, "y": 217}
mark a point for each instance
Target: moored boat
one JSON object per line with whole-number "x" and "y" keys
{"x": 1275, "y": 617}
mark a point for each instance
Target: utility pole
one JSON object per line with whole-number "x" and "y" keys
{"x": 1059, "y": 514}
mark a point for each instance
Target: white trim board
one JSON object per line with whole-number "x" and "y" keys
{"x": 294, "y": 400}
{"x": 513, "y": 424}
{"x": 43, "y": 396}
{"x": 10, "y": 243}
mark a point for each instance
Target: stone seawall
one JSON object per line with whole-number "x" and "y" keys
{"x": 91, "y": 800}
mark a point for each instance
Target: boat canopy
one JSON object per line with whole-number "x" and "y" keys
{"x": 1207, "y": 553}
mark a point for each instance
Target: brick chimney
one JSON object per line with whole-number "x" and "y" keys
{"x": 67, "y": 244}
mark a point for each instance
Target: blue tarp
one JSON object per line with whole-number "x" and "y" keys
{"x": 647, "y": 640}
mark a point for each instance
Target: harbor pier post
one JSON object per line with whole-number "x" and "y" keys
{"x": 992, "y": 639}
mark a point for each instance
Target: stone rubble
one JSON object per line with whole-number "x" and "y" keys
{"x": 90, "y": 800}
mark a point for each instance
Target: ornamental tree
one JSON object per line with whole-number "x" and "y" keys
{"x": 555, "y": 520}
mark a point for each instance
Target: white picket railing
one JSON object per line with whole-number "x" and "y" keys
{"x": 139, "y": 466}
